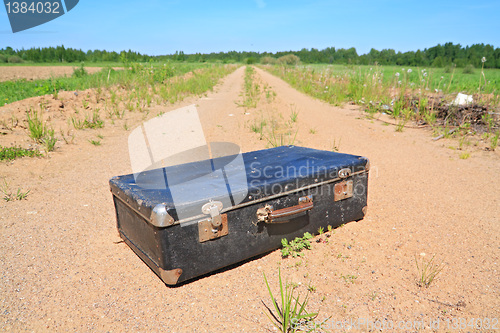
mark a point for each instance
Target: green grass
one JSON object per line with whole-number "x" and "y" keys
{"x": 445, "y": 79}
{"x": 406, "y": 93}
{"x": 288, "y": 313}
{"x": 95, "y": 142}
{"x": 11, "y": 153}
{"x": 8, "y": 195}
{"x": 136, "y": 76}
{"x": 251, "y": 89}
{"x": 40, "y": 132}
{"x": 427, "y": 271}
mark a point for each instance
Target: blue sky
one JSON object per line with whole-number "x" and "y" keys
{"x": 162, "y": 27}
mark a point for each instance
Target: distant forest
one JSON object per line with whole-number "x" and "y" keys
{"x": 436, "y": 56}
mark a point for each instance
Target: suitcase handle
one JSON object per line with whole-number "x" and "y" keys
{"x": 268, "y": 215}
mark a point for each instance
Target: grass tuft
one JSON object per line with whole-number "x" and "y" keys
{"x": 11, "y": 153}
{"x": 427, "y": 271}
{"x": 289, "y": 313}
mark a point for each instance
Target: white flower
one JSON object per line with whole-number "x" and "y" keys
{"x": 425, "y": 74}
{"x": 483, "y": 59}
{"x": 442, "y": 77}
{"x": 402, "y": 69}
{"x": 409, "y": 70}
{"x": 397, "y": 74}
{"x": 435, "y": 90}
{"x": 399, "y": 82}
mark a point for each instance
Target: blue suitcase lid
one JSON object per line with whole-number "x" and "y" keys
{"x": 178, "y": 192}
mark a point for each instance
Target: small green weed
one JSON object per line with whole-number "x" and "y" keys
{"x": 291, "y": 315}
{"x": 335, "y": 145}
{"x": 295, "y": 247}
{"x": 11, "y": 153}
{"x": 494, "y": 141}
{"x": 49, "y": 140}
{"x": 258, "y": 127}
{"x": 36, "y": 127}
{"x": 295, "y": 114}
{"x": 464, "y": 156}
{"x": 348, "y": 278}
{"x": 427, "y": 271}
{"x": 311, "y": 288}
{"x": 8, "y": 195}
{"x": 95, "y": 142}
{"x": 80, "y": 71}
{"x": 278, "y": 135}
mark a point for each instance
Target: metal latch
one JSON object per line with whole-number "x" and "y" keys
{"x": 216, "y": 225}
{"x": 344, "y": 173}
{"x": 343, "y": 190}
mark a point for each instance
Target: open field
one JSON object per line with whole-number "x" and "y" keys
{"x": 31, "y": 73}
{"x": 448, "y": 79}
{"x": 63, "y": 267}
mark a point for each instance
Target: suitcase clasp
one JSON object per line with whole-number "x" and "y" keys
{"x": 216, "y": 225}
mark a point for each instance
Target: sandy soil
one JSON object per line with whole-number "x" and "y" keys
{"x": 31, "y": 73}
{"x": 63, "y": 267}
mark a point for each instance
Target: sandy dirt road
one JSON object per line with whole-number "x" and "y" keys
{"x": 63, "y": 267}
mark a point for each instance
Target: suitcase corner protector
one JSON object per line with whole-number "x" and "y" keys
{"x": 160, "y": 217}
{"x": 170, "y": 277}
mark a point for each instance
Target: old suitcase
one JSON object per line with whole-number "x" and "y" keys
{"x": 198, "y": 221}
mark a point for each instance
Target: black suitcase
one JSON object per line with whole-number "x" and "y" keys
{"x": 197, "y": 222}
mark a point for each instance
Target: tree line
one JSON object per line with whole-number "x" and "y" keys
{"x": 437, "y": 56}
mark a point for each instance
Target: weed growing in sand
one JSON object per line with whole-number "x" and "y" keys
{"x": 336, "y": 145}
{"x": 295, "y": 247}
{"x": 68, "y": 137}
{"x": 11, "y": 153}
{"x": 464, "y": 156}
{"x": 95, "y": 142}
{"x": 252, "y": 90}
{"x": 39, "y": 132}
{"x": 92, "y": 121}
{"x": 280, "y": 134}
{"x": 49, "y": 140}
{"x": 36, "y": 127}
{"x": 258, "y": 127}
{"x": 8, "y": 195}
{"x": 427, "y": 271}
{"x": 349, "y": 278}
{"x": 412, "y": 94}
{"x": 289, "y": 313}
{"x": 494, "y": 141}
{"x": 295, "y": 114}
{"x": 270, "y": 94}
{"x": 311, "y": 288}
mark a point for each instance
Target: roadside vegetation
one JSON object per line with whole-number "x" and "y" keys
{"x": 421, "y": 96}
{"x": 136, "y": 87}
{"x": 133, "y": 75}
